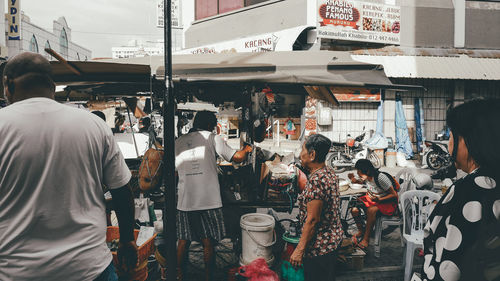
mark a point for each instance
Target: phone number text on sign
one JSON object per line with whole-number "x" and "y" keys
{"x": 358, "y": 21}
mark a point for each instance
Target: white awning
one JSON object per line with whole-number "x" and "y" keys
{"x": 457, "y": 67}
{"x": 281, "y": 40}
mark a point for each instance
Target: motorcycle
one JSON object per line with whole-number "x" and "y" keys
{"x": 436, "y": 155}
{"x": 344, "y": 155}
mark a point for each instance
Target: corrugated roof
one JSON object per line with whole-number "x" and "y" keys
{"x": 432, "y": 67}
{"x": 437, "y": 52}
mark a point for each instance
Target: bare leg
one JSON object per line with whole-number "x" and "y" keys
{"x": 359, "y": 223}
{"x": 208, "y": 257}
{"x": 182, "y": 250}
{"x": 371, "y": 216}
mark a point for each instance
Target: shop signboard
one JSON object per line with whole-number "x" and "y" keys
{"x": 176, "y": 14}
{"x": 268, "y": 42}
{"x": 356, "y": 94}
{"x": 359, "y": 21}
{"x": 14, "y": 17}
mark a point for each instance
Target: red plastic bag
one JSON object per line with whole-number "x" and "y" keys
{"x": 258, "y": 271}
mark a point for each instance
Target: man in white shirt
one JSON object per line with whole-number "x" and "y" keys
{"x": 54, "y": 160}
{"x": 199, "y": 204}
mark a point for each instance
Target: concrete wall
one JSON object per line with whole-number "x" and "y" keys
{"x": 266, "y": 17}
{"x": 351, "y": 117}
{"x": 482, "y": 25}
{"x": 424, "y": 23}
{"x": 427, "y": 23}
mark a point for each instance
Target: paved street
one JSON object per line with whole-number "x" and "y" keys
{"x": 387, "y": 267}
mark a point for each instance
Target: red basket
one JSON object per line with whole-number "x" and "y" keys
{"x": 143, "y": 252}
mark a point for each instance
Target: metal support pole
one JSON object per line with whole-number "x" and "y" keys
{"x": 169, "y": 227}
{"x": 133, "y": 135}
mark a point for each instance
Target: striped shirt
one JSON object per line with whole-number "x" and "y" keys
{"x": 380, "y": 191}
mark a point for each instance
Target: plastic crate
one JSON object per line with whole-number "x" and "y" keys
{"x": 143, "y": 252}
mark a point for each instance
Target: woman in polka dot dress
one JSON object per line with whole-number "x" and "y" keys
{"x": 461, "y": 231}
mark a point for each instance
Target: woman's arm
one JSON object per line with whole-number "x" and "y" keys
{"x": 392, "y": 194}
{"x": 314, "y": 208}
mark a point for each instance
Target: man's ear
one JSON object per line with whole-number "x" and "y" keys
{"x": 312, "y": 154}
{"x": 6, "y": 92}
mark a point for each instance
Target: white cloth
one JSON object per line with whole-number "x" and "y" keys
{"x": 54, "y": 160}
{"x": 195, "y": 161}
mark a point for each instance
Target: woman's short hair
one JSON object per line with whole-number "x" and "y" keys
{"x": 478, "y": 123}
{"x": 205, "y": 120}
{"x": 320, "y": 144}
{"x": 365, "y": 166}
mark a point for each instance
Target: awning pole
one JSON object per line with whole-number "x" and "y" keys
{"x": 169, "y": 227}
{"x": 132, "y": 129}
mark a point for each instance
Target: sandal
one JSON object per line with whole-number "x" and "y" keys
{"x": 355, "y": 240}
{"x": 362, "y": 248}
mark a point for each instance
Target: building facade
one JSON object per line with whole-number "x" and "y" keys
{"x": 135, "y": 48}
{"x": 33, "y": 38}
{"x": 449, "y": 47}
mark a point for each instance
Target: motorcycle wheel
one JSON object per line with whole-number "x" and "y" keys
{"x": 433, "y": 160}
{"x": 375, "y": 160}
{"x": 330, "y": 159}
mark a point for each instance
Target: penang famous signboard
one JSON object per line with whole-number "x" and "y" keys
{"x": 359, "y": 21}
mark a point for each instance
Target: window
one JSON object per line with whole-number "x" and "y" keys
{"x": 208, "y": 8}
{"x": 63, "y": 41}
{"x": 47, "y": 46}
{"x": 33, "y": 45}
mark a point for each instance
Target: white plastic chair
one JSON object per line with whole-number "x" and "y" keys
{"x": 383, "y": 221}
{"x": 416, "y": 206}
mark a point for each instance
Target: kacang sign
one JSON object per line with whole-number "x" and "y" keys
{"x": 359, "y": 21}
{"x": 14, "y": 17}
{"x": 269, "y": 42}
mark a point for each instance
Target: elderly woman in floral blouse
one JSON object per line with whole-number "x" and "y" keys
{"x": 319, "y": 208}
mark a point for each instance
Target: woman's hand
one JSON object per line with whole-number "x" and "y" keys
{"x": 296, "y": 258}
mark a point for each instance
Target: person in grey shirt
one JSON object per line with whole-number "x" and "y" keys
{"x": 54, "y": 160}
{"x": 381, "y": 197}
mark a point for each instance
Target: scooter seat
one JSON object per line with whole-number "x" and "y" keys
{"x": 334, "y": 143}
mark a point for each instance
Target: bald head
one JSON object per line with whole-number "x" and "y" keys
{"x": 28, "y": 75}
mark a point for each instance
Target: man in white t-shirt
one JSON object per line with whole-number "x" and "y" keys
{"x": 54, "y": 160}
{"x": 199, "y": 204}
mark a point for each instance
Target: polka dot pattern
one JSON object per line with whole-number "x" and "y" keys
{"x": 450, "y": 195}
{"x": 439, "y": 248}
{"x": 449, "y": 271}
{"x": 453, "y": 238}
{"x": 428, "y": 269}
{"x": 496, "y": 209}
{"x": 485, "y": 182}
{"x": 471, "y": 203}
{"x": 431, "y": 272}
{"x": 472, "y": 211}
{"x": 435, "y": 223}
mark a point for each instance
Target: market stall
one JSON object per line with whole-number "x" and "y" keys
{"x": 239, "y": 78}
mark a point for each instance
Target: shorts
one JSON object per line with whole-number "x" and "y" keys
{"x": 320, "y": 268}
{"x": 387, "y": 209}
{"x": 197, "y": 225}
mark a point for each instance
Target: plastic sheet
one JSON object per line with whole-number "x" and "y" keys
{"x": 403, "y": 143}
{"x": 258, "y": 271}
{"x": 378, "y": 140}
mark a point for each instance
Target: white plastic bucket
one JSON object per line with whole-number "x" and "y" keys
{"x": 257, "y": 237}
